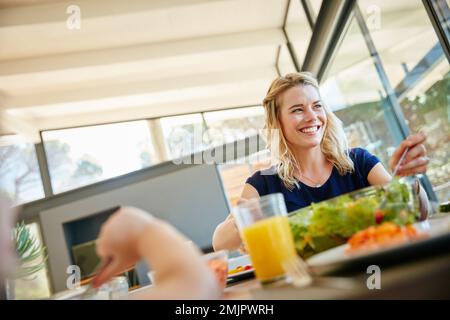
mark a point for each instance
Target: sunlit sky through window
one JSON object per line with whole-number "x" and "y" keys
{"x": 115, "y": 146}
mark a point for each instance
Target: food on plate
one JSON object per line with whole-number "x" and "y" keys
{"x": 384, "y": 235}
{"x": 331, "y": 223}
{"x": 219, "y": 267}
{"x": 218, "y": 263}
{"x": 239, "y": 269}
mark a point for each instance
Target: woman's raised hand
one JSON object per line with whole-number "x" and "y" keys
{"x": 416, "y": 159}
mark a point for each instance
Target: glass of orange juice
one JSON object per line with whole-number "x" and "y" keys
{"x": 267, "y": 236}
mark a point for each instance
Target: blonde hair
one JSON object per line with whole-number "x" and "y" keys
{"x": 334, "y": 143}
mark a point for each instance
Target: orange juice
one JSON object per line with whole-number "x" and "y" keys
{"x": 269, "y": 242}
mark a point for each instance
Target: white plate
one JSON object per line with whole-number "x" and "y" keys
{"x": 329, "y": 256}
{"x": 329, "y": 260}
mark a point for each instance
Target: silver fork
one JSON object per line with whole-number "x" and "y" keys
{"x": 397, "y": 166}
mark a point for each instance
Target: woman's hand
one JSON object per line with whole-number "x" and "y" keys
{"x": 227, "y": 235}
{"x": 416, "y": 159}
{"x": 118, "y": 241}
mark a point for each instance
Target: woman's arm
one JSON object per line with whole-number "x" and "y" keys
{"x": 226, "y": 236}
{"x": 378, "y": 176}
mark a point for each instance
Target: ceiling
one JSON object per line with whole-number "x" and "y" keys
{"x": 134, "y": 59}
{"x": 140, "y": 59}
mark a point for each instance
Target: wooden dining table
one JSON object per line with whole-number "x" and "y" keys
{"x": 427, "y": 278}
{"x": 424, "y": 275}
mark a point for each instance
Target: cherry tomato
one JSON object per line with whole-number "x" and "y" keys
{"x": 379, "y": 215}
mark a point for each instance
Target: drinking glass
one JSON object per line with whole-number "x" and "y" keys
{"x": 267, "y": 236}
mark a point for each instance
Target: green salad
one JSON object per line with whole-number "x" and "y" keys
{"x": 330, "y": 223}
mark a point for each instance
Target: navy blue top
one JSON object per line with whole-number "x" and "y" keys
{"x": 267, "y": 182}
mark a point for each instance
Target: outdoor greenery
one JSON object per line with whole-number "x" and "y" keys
{"x": 30, "y": 253}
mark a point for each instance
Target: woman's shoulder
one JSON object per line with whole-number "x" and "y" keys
{"x": 363, "y": 159}
{"x": 270, "y": 172}
{"x": 357, "y": 151}
{"x": 263, "y": 179}
{"x": 360, "y": 154}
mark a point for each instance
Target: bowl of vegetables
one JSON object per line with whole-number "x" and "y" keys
{"x": 330, "y": 223}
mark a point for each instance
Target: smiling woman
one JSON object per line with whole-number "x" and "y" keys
{"x": 314, "y": 160}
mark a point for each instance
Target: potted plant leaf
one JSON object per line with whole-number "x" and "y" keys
{"x": 31, "y": 257}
